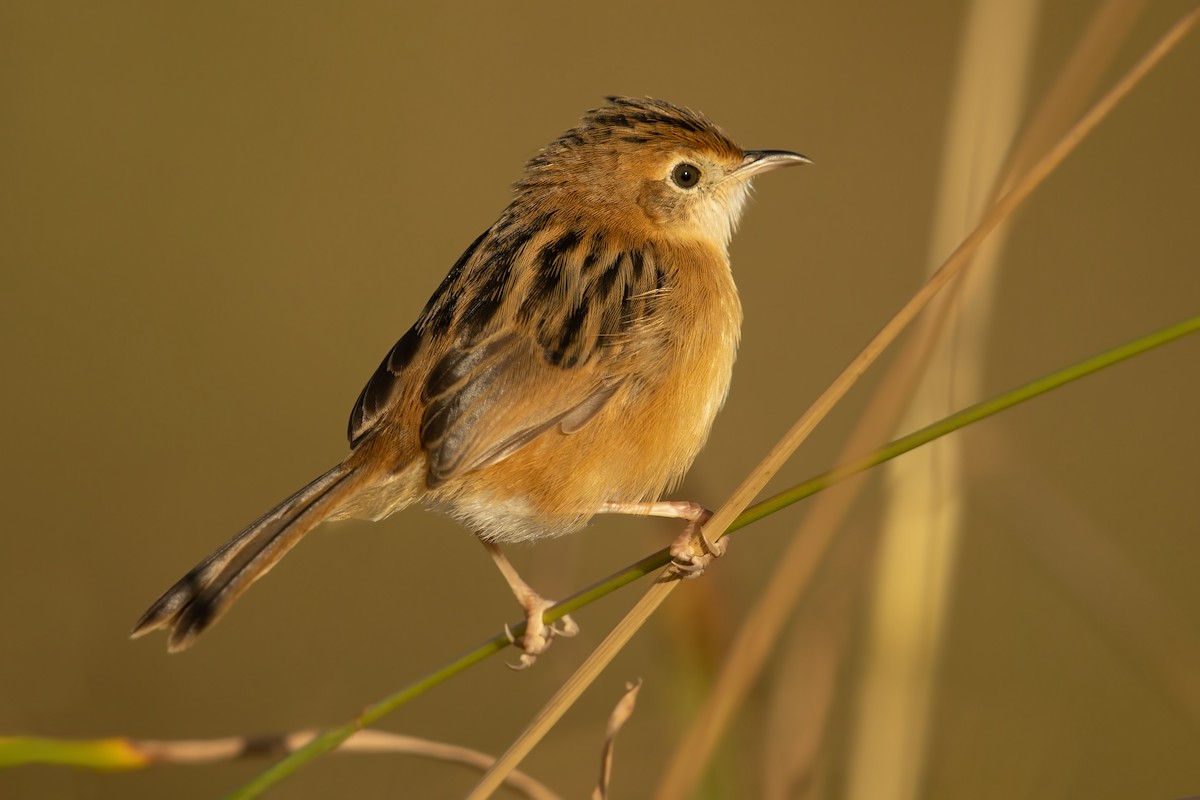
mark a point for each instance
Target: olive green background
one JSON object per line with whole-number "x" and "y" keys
{"x": 216, "y": 218}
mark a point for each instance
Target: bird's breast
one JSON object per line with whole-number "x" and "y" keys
{"x": 704, "y": 329}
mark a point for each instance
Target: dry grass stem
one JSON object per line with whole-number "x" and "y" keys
{"x": 620, "y": 715}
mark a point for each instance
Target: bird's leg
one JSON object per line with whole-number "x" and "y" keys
{"x": 692, "y": 551}
{"x": 538, "y": 634}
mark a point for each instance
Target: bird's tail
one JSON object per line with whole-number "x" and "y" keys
{"x": 202, "y": 596}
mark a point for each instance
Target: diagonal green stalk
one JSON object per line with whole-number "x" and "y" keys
{"x": 656, "y": 561}
{"x": 961, "y": 419}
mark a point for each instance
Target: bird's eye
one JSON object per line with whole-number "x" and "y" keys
{"x": 685, "y": 175}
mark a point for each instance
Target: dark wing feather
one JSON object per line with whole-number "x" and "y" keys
{"x": 382, "y": 386}
{"x": 520, "y": 350}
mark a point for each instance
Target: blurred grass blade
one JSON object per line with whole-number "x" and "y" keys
{"x": 1126, "y": 606}
{"x": 923, "y": 493}
{"x": 807, "y": 677}
{"x": 121, "y": 753}
{"x": 115, "y": 753}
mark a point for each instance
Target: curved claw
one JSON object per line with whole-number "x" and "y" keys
{"x": 538, "y": 635}
{"x": 526, "y": 662}
{"x": 692, "y": 551}
{"x": 569, "y": 627}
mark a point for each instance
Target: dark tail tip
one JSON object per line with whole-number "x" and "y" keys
{"x": 205, "y": 594}
{"x": 168, "y": 610}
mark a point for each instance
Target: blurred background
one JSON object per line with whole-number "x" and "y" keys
{"x": 215, "y": 219}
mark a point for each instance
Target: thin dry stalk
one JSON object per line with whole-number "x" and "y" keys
{"x": 770, "y": 465}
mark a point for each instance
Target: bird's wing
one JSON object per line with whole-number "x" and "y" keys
{"x": 519, "y": 350}
{"x": 488, "y": 401}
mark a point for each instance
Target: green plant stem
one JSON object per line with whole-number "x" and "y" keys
{"x": 963, "y": 418}
{"x": 656, "y": 561}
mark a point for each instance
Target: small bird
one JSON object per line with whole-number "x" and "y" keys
{"x": 570, "y": 363}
